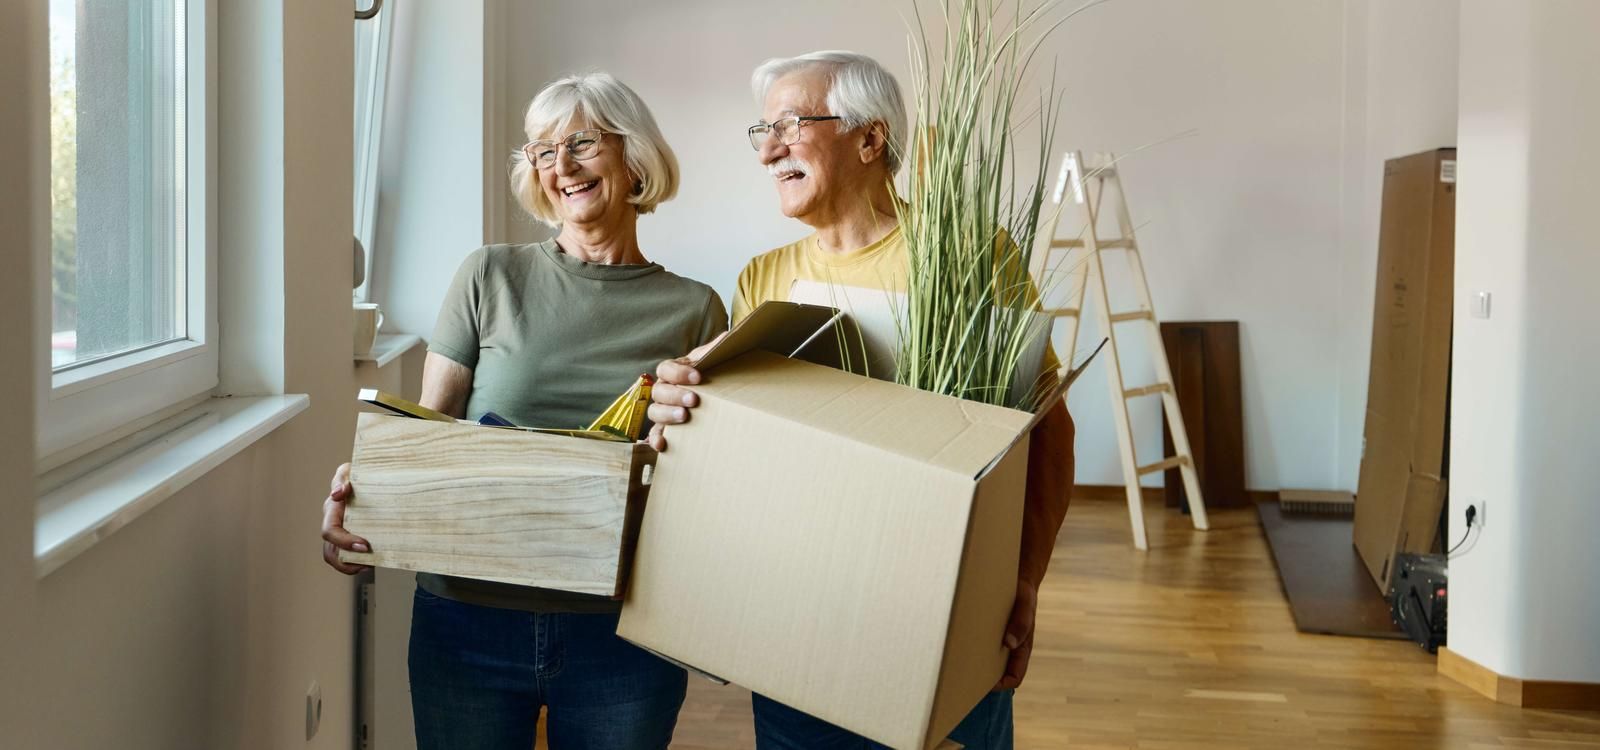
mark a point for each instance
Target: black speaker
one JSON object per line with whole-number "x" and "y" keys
{"x": 1417, "y": 598}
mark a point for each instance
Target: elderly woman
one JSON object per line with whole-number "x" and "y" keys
{"x": 547, "y": 335}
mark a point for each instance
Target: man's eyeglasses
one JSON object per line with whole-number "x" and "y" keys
{"x": 786, "y": 130}
{"x": 582, "y": 145}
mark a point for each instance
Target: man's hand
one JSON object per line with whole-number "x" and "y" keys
{"x": 334, "y": 537}
{"x": 670, "y": 400}
{"x": 1019, "y": 635}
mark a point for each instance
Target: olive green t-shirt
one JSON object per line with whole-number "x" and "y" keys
{"x": 552, "y": 340}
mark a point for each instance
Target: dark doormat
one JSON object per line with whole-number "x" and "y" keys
{"x": 1330, "y": 591}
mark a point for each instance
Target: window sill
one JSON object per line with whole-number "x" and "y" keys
{"x": 96, "y": 499}
{"x": 389, "y": 347}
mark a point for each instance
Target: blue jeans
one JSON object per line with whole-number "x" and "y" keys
{"x": 479, "y": 676}
{"x": 779, "y": 727}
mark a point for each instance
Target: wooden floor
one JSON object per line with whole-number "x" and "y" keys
{"x": 1191, "y": 645}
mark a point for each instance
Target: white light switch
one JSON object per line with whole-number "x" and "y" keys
{"x": 1480, "y": 304}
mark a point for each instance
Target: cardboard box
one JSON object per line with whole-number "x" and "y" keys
{"x": 499, "y": 504}
{"x": 1402, "y": 485}
{"x": 843, "y": 545}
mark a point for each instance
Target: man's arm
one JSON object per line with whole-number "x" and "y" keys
{"x": 1049, "y": 489}
{"x": 1050, "y": 474}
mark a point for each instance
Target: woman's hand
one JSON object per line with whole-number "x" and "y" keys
{"x": 446, "y": 385}
{"x": 334, "y": 537}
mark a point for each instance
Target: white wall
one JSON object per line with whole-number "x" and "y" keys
{"x": 250, "y": 310}
{"x": 202, "y": 623}
{"x": 1400, "y": 98}
{"x": 1238, "y": 219}
{"x": 1525, "y": 423}
{"x": 1243, "y": 218}
{"x": 431, "y": 169}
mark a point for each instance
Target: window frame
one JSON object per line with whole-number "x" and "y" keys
{"x": 93, "y": 403}
{"x": 368, "y": 143}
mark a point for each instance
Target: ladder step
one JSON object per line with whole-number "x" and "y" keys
{"x": 1135, "y": 315}
{"x": 1063, "y": 312}
{"x": 1104, "y": 173}
{"x": 1120, "y": 243}
{"x": 1171, "y": 463}
{"x": 1147, "y": 390}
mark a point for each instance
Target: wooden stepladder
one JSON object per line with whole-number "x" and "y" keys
{"x": 1083, "y": 189}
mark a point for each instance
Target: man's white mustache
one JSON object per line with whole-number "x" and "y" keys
{"x": 786, "y": 165}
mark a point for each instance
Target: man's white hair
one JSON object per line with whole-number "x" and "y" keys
{"x": 860, "y": 91}
{"x": 611, "y": 106}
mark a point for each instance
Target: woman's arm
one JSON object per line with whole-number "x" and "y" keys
{"x": 446, "y": 384}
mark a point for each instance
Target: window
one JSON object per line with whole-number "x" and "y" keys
{"x": 371, "y": 76}
{"x": 132, "y": 318}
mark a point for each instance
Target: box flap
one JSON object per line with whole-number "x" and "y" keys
{"x": 962, "y": 436}
{"x": 1064, "y": 382}
{"x": 782, "y": 328}
{"x": 974, "y": 657}
{"x": 1047, "y": 402}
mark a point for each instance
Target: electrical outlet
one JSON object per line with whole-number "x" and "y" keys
{"x": 1483, "y": 507}
{"x": 1480, "y": 305}
{"x": 313, "y": 709}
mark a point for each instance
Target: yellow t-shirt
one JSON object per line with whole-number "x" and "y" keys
{"x": 880, "y": 265}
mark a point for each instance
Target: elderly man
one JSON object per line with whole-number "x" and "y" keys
{"x": 830, "y": 136}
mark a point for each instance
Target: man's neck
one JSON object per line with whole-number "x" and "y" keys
{"x": 858, "y": 223}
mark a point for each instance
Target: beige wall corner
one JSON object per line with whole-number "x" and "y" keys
{"x": 24, "y": 63}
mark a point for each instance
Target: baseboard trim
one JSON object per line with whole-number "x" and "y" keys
{"x": 1151, "y": 494}
{"x": 1513, "y": 691}
{"x": 1113, "y": 492}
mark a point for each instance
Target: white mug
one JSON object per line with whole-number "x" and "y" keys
{"x": 368, "y": 320}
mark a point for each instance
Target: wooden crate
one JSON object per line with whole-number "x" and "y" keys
{"x": 496, "y": 504}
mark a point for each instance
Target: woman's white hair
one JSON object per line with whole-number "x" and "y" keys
{"x": 860, "y": 91}
{"x": 613, "y": 107}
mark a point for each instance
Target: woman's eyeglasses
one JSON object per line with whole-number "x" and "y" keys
{"x": 581, "y": 145}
